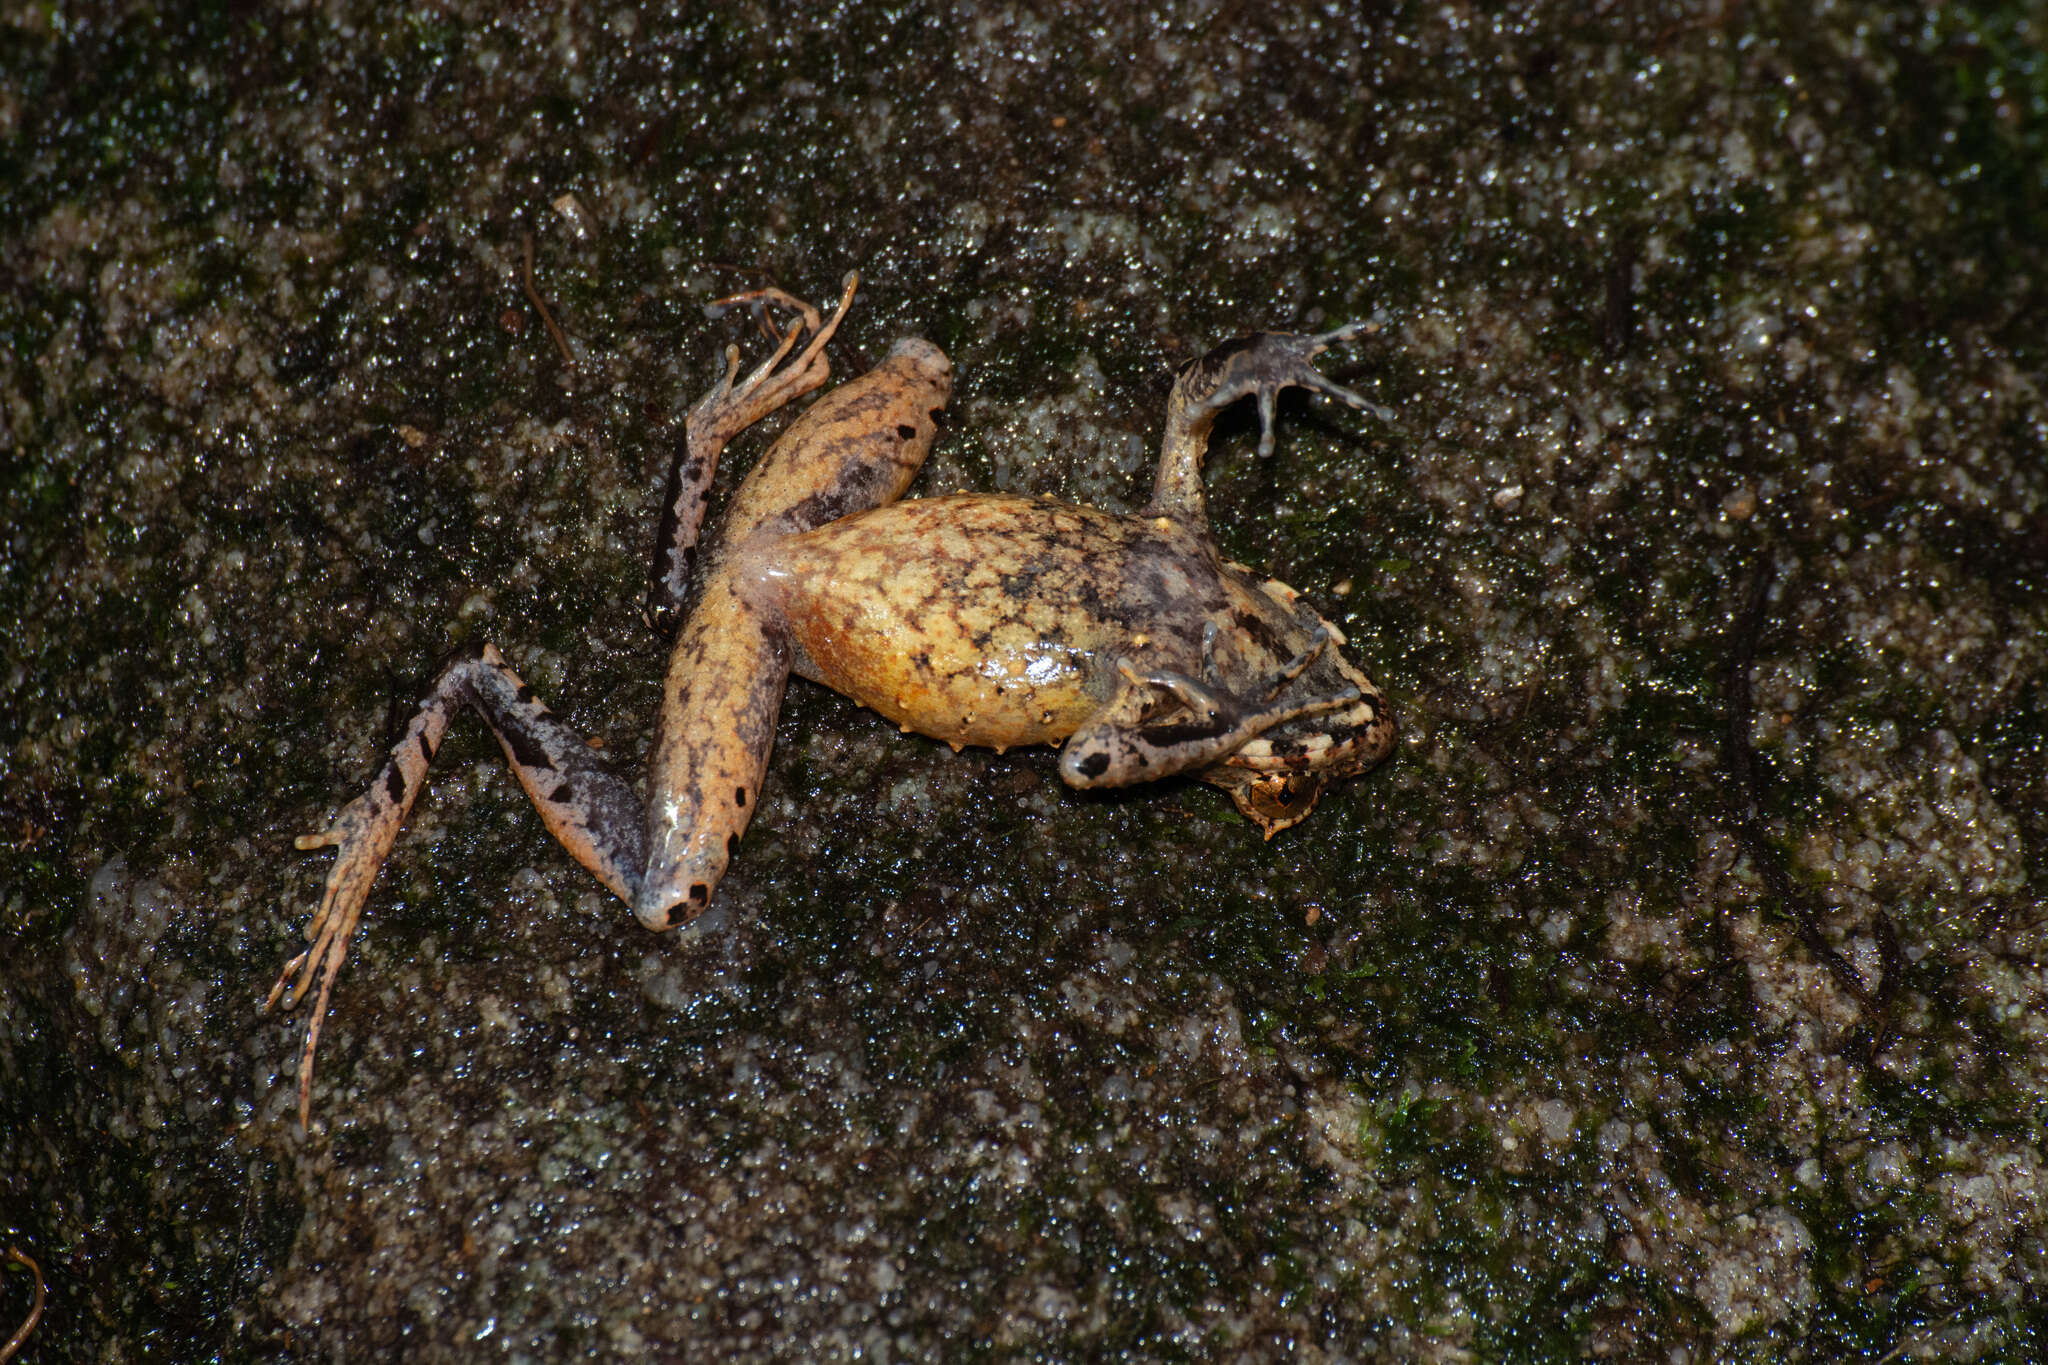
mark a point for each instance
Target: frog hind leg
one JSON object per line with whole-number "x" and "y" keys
{"x": 729, "y": 408}
{"x": 1162, "y": 723}
{"x": 856, "y": 448}
{"x": 583, "y": 802}
{"x": 1257, "y": 366}
{"x": 719, "y": 705}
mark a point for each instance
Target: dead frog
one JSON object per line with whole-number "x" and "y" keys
{"x": 978, "y": 618}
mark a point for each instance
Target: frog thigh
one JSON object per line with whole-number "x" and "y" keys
{"x": 719, "y": 703}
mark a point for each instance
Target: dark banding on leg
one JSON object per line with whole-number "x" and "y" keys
{"x": 582, "y": 800}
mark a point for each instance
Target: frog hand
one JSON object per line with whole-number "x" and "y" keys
{"x": 1263, "y": 364}
{"x": 1256, "y": 366}
{"x": 1276, "y": 778}
{"x": 1280, "y": 798}
{"x": 1162, "y": 723}
{"x": 1272, "y": 801}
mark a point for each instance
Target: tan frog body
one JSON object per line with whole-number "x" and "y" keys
{"x": 977, "y": 619}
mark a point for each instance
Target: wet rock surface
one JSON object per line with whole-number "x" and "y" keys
{"x": 1588, "y": 1025}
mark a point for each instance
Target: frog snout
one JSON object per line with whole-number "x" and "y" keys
{"x": 1082, "y": 765}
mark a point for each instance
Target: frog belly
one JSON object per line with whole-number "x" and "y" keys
{"x": 975, "y": 619}
{"x": 1032, "y": 693}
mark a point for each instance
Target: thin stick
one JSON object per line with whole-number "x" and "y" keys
{"x": 35, "y": 1312}
{"x": 1745, "y": 801}
{"x": 533, "y": 297}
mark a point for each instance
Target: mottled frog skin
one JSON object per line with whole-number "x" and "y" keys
{"x": 978, "y": 618}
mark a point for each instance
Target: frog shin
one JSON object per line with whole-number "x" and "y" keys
{"x": 583, "y": 802}
{"x": 732, "y": 405}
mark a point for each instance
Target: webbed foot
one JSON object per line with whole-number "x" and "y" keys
{"x": 731, "y": 406}
{"x": 364, "y": 832}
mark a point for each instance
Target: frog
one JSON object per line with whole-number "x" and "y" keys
{"x": 983, "y": 619}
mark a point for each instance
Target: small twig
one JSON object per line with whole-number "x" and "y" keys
{"x": 35, "y": 1312}
{"x": 1745, "y": 800}
{"x": 1897, "y": 1352}
{"x": 533, "y": 297}
{"x": 227, "y": 1320}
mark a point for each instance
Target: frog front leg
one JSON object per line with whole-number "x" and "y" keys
{"x": 1258, "y": 366}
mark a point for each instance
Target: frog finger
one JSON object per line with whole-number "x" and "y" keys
{"x": 1258, "y": 366}
{"x": 1292, "y": 669}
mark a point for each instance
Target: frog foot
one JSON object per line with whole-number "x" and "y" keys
{"x": 582, "y": 800}
{"x": 364, "y": 832}
{"x": 729, "y": 408}
{"x": 1263, "y": 364}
